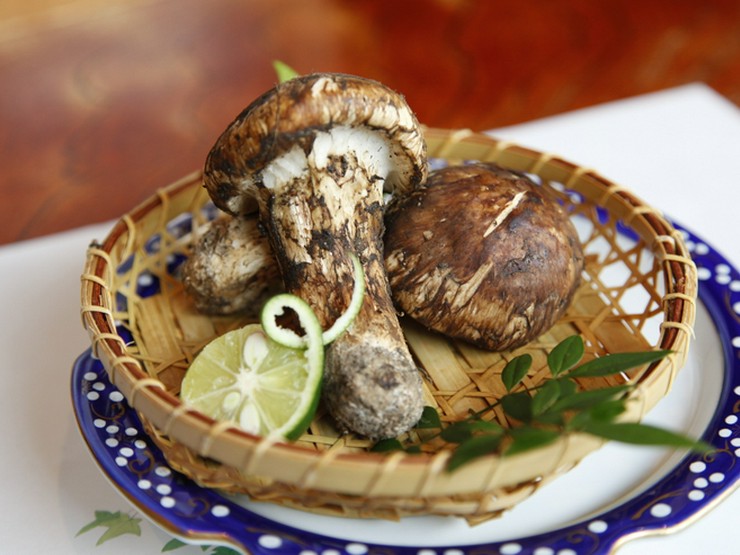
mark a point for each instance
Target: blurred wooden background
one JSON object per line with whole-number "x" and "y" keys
{"x": 103, "y": 101}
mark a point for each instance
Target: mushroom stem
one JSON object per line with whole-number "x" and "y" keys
{"x": 315, "y": 221}
{"x": 318, "y": 155}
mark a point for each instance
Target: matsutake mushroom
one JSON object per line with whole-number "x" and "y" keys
{"x": 316, "y": 156}
{"x": 231, "y": 267}
{"x": 483, "y": 254}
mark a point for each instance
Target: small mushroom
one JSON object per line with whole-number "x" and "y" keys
{"x": 316, "y": 156}
{"x": 231, "y": 267}
{"x": 483, "y": 254}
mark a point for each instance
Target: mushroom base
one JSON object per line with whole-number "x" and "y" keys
{"x": 374, "y": 391}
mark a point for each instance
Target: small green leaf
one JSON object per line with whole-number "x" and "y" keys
{"x": 642, "y": 434}
{"x": 386, "y": 445}
{"x": 173, "y": 544}
{"x": 608, "y": 410}
{"x": 125, "y": 525}
{"x": 515, "y": 370}
{"x": 284, "y": 71}
{"x": 551, "y": 418}
{"x": 101, "y": 519}
{"x": 429, "y": 418}
{"x": 587, "y": 399}
{"x": 473, "y": 448}
{"x": 565, "y": 354}
{"x": 518, "y": 406}
{"x": 486, "y": 426}
{"x": 605, "y": 411}
{"x": 116, "y": 524}
{"x": 616, "y": 362}
{"x": 567, "y": 386}
{"x": 545, "y": 397}
{"x": 528, "y": 438}
{"x": 457, "y": 432}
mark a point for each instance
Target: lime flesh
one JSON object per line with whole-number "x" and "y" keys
{"x": 263, "y": 387}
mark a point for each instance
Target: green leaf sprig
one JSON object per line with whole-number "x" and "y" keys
{"x": 283, "y": 71}
{"x": 543, "y": 414}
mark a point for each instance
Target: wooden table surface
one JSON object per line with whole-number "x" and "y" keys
{"x": 103, "y": 101}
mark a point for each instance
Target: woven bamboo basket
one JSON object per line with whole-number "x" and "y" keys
{"x": 638, "y": 292}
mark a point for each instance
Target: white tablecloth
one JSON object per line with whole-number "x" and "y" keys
{"x": 678, "y": 149}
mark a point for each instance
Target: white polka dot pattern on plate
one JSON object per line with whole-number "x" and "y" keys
{"x": 661, "y": 510}
{"x": 220, "y": 511}
{"x": 598, "y": 526}
{"x": 696, "y": 495}
{"x": 698, "y": 467}
{"x": 162, "y": 471}
{"x": 163, "y": 489}
{"x": 269, "y": 541}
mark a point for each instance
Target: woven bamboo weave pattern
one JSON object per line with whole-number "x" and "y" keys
{"x": 638, "y": 292}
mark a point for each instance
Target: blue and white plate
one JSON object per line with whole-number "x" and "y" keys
{"x": 617, "y": 493}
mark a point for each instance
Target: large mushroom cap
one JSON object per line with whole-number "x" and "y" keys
{"x": 292, "y": 114}
{"x": 482, "y": 254}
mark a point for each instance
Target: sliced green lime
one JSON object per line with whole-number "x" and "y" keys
{"x": 275, "y": 306}
{"x": 267, "y": 378}
{"x": 264, "y": 387}
{"x": 355, "y": 303}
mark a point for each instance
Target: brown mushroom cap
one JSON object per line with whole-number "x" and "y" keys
{"x": 291, "y": 114}
{"x": 483, "y": 254}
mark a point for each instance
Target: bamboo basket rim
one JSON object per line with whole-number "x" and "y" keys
{"x": 229, "y": 445}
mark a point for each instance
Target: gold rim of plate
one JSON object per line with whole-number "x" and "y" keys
{"x": 638, "y": 292}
